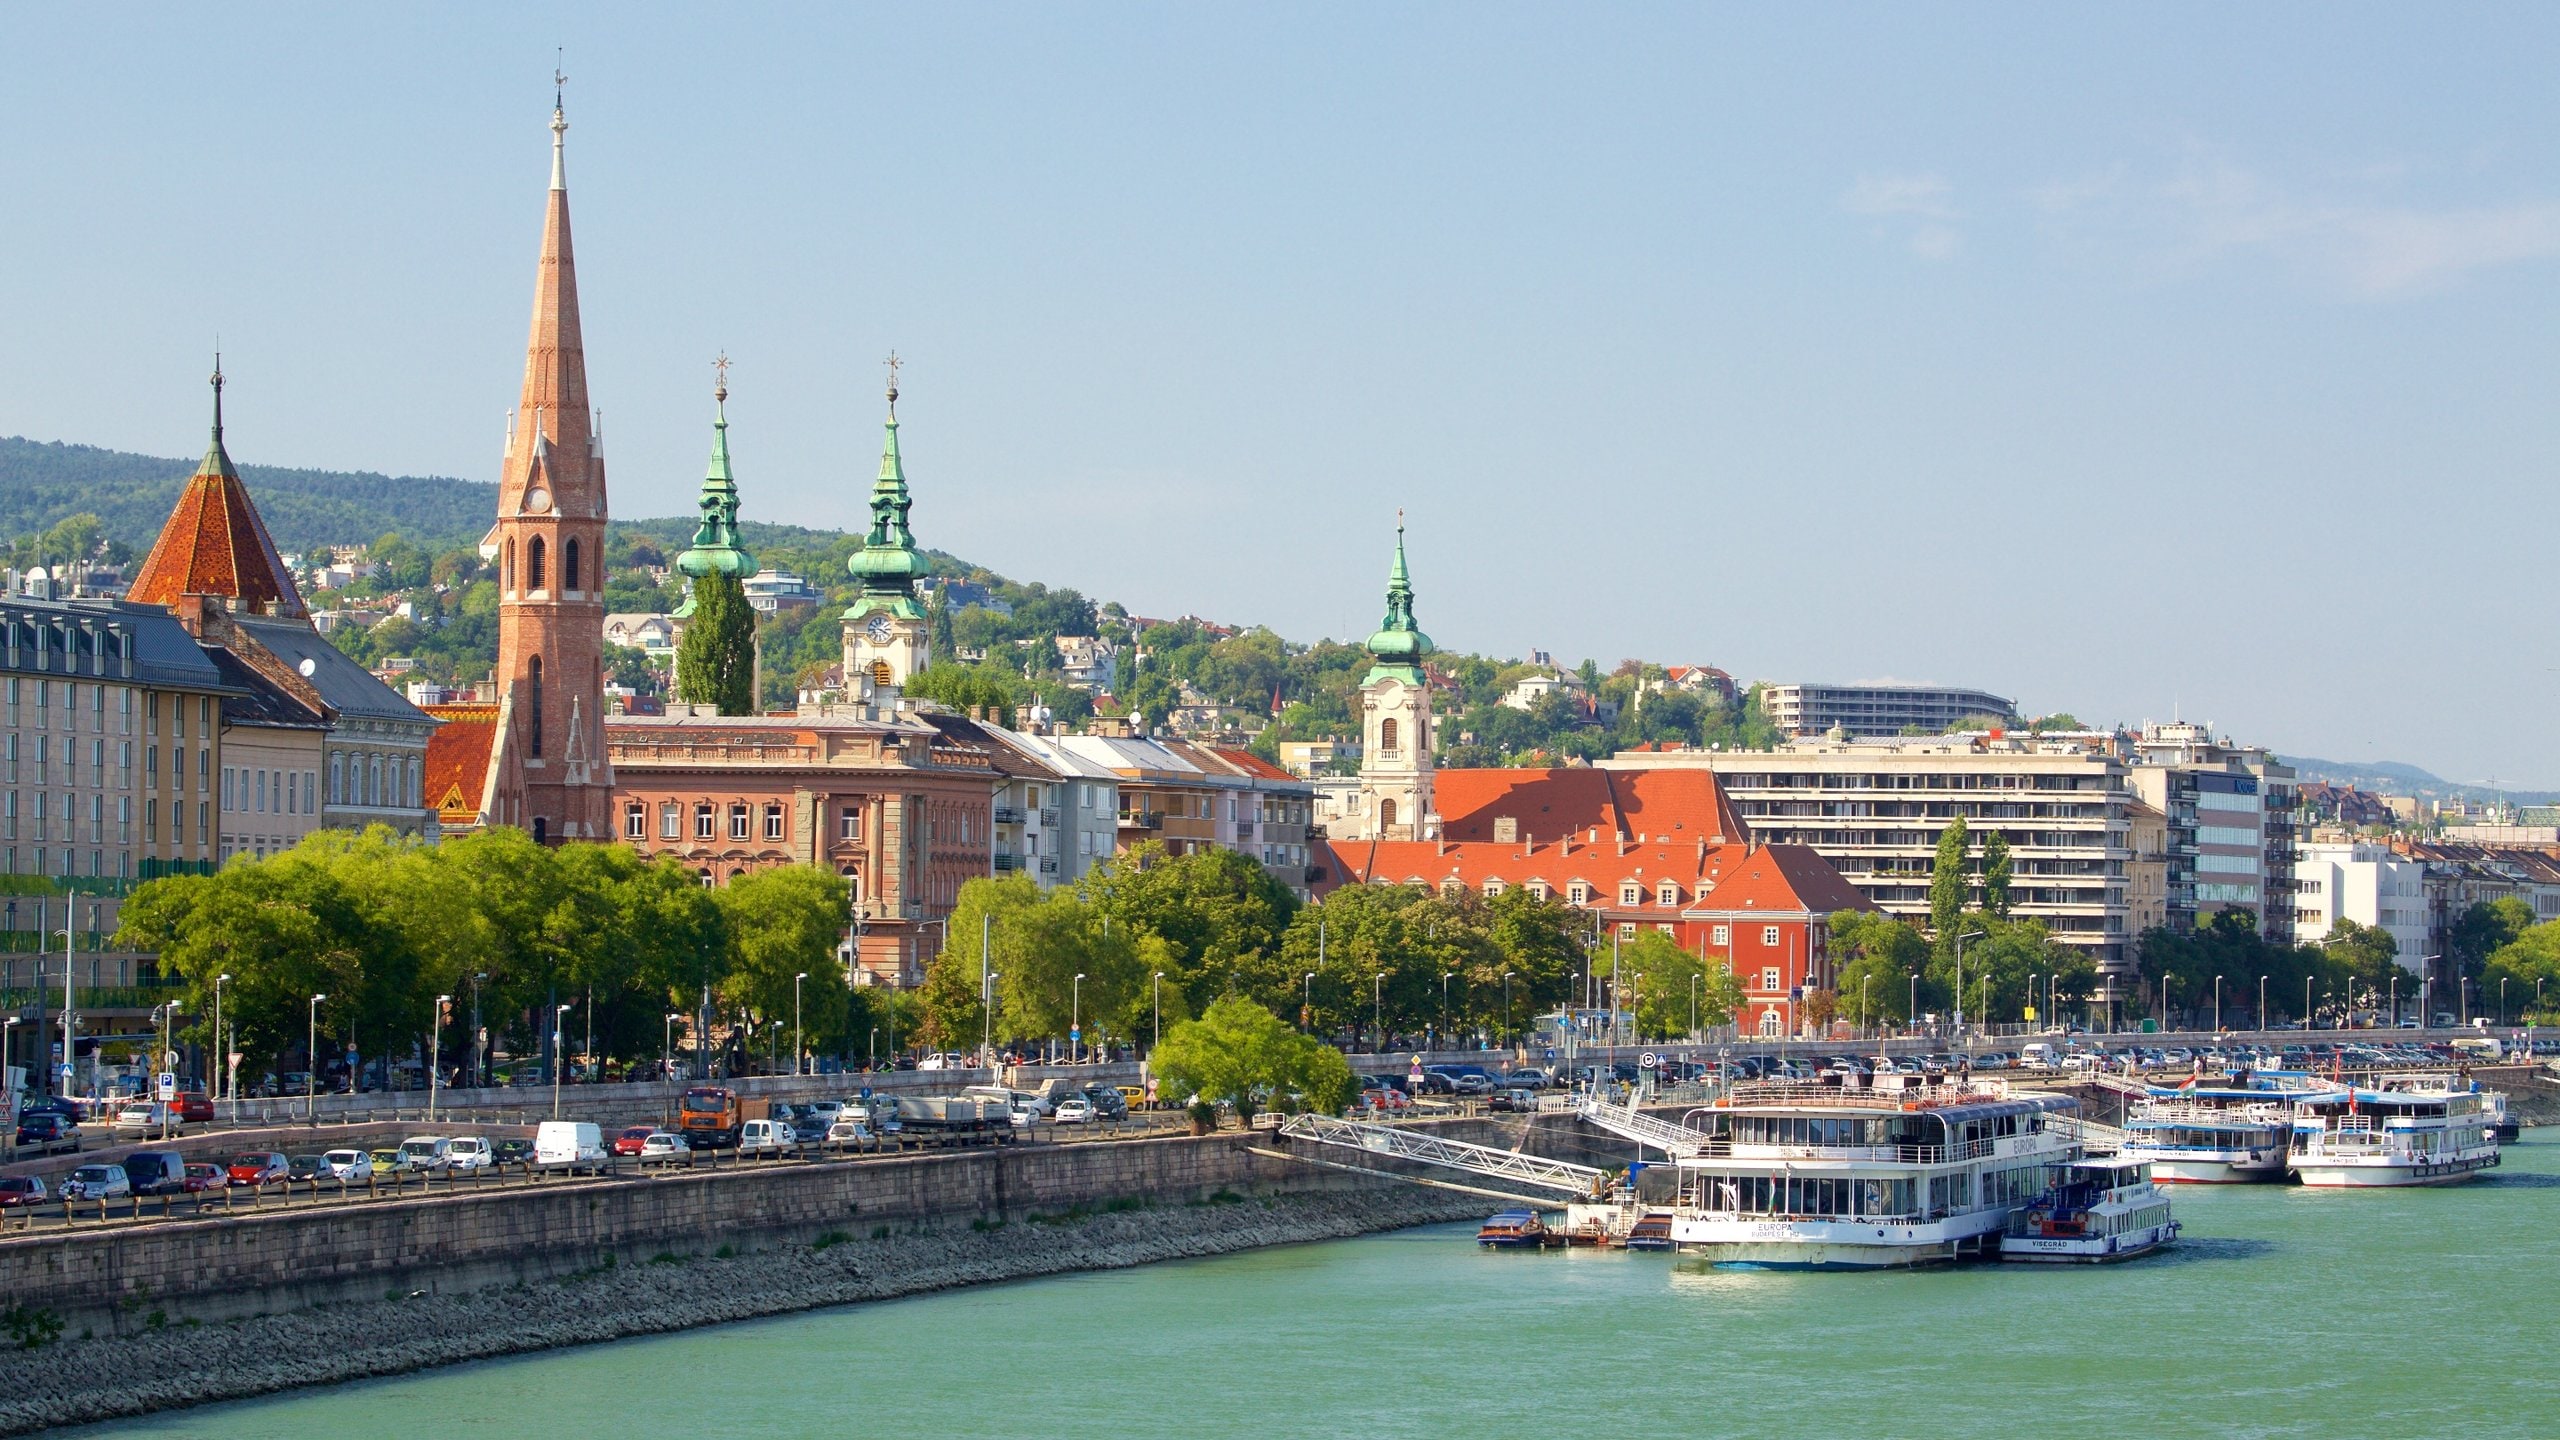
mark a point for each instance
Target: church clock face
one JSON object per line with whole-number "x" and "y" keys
{"x": 879, "y": 630}
{"x": 537, "y": 500}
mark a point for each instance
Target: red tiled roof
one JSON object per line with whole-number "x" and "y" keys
{"x": 1685, "y": 805}
{"x": 1251, "y": 764}
{"x": 215, "y": 544}
{"x": 1715, "y": 878}
{"x": 458, "y": 759}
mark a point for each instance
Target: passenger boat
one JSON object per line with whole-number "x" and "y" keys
{"x": 2212, "y": 1137}
{"x": 1513, "y": 1230}
{"x": 2094, "y": 1211}
{"x": 2504, "y": 1127}
{"x": 2415, "y": 1131}
{"x": 1894, "y": 1172}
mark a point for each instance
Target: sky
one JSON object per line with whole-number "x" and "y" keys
{"x": 2135, "y": 362}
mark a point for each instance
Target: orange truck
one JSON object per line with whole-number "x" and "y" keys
{"x": 710, "y": 1116}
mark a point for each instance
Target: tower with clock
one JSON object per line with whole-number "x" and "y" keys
{"x": 887, "y": 635}
{"x": 1396, "y": 723}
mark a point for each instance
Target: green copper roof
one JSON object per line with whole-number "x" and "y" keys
{"x": 715, "y": 549}
{"x": 1399, "y": 644}
{"x": 888, "y": 563}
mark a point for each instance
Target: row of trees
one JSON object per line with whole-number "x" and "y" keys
{"x": 382, "y": 925}
{"x": 1159, "y": 938}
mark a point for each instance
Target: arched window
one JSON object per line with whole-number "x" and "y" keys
{"x": 534, "y": 747}
{"x": 535, "y": 576}
{"x": 880, "y": 674}
{"x": 1772, "y": 1023}
{"x": 1386, "y": 814}
{"x": 541, "y": 831}
{"x": 1387, "y": 735}
{"x": 373, "y": 781}
{"x": 569, "y": 565}
{"x": 511, "y": 566}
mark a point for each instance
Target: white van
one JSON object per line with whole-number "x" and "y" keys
{"x": 1010, "y": 1098}
{"x": 578, "y": 1144}
{"x": 2037, "y": 1055}
{"x": 426, "y": 1154}
{"x": 469, "y": 1152}
{"x": 766, "y": 1137}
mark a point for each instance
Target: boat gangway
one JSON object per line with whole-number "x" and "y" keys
{"x": 1401, "y": 1143}
{"x": 1676, "y": 1141}
{"x": 2091, "y": 1134}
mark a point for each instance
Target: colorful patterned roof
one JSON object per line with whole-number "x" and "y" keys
{"x": 215, "y": 544}
{"x": 458, "y": 760}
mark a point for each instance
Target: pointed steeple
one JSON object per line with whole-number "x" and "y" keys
{"x": 888, "y": 564}
{"x": 214, "y": 543}
{"x": 1399, "y": 644}
{"x": 553, "y": 419}
{"x": 716, "y": 549}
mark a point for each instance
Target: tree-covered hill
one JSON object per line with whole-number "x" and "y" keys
{"x": 45, "y": 482}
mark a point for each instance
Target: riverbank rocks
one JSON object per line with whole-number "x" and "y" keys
{"x": 77, "y": 1381}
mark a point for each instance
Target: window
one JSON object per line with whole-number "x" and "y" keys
{"x": 373, "y": 780}
{"x": 260, "y": 790}
{"x": 534, "y": 745}
{"x": 773, "y": 822}
{"x": 670, "y": 821}
{"x": 338, "y": 779}
{"x": 849, "y": 823}
{"x": 1492, "y": 887}
{"x": 569, "y": 565}
{"x": 1771, "y": 979}
{"x": 1769, "y": 935}
{"x": 534, "y": 573}
{"x": 511, "y": 565}
{"x": 1577, "y": 893}
{"x": 1537, "y": 889}
{"x": 1453, "y": 887}
{"x": 1723, "y": 935}
{"x": 1669, "y": 894}
{"x": 1387, "y": 736}
{"x": 1386, "y": 814}
{"x": 1667, "y": 929}
{"x": 635, "y": 821}
{"x": 1631, "y": 893}
{"x": 1627, "y": 930}
{"x": 702, "y": 821}
{"x": 737, "y": 822}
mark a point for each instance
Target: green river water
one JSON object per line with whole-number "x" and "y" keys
{"x": 2285, "y": 1312}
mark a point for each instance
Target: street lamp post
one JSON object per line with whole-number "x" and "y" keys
{"x": 1961, "y": 937}
{"x": 1378, "y": 1015}
{"x": 1506, "y": 1005}
{"x": 1307, "y": 1004}
{"x": 435, "y": 1055}
{"x": 479, "y": 1061}
{"x": 1075, "y": 1022}
{"x": 2306, "y": 1002}
{"x": 558, "y": 1015}
{"x": 667, "y": 1047}
{"x": 799, "y": 1034}
{"x": 1911, "y": 1004}
{"x": 1159, "y": 991}
{"x": 311, "y": 1065}
{"x": 1866, "y": 1013}
{"x": 2262, "y": 1002}
{"x": 1694, "y": 982}
{"x": 2217, "y": 1004}
{"x": 222, "y": 1052}
{"x": 2395, "y": 999}
{"x": 1445, "y": 977}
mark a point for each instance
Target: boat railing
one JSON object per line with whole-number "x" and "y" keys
{"x": 1722, "y": 1148}
{"x": 1864, "y": 1097}
{"x": 2189, "y": 1112}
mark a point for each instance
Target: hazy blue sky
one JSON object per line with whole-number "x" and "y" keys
{"x": 2171, "y": 358}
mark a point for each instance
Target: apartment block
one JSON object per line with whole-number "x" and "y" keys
{"x": 2367, "y": 882}
{"x": 1872, "y": 710}
{"x": 2231, "y": 812}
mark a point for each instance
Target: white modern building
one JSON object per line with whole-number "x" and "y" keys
{"x": 1879, "y": 709}
{"x": 2368, "y": 883}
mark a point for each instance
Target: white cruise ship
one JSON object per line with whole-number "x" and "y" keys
{"x": 1850, "y": 1176}
{"x": 2420, "y": 1132}
{"x": 2197, "y": 1136}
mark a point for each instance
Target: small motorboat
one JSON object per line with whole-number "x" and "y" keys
{"x": 2094, "y": 1211}
{"x": 1652, "y": 1231}
{"x": 1513, "y": 1230}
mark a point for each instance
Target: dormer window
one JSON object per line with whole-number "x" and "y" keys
{"x": 1669, "y": 894}
{"x": 1577, "y": 893}
{"x": 1492, "y": 888}
{"x": 1631, "y": 893}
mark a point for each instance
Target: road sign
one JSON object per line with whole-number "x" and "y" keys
{"x": 173, "y": 1060}
{"x": 1648, "y": 1060}
{"x": 168, "y": 1087}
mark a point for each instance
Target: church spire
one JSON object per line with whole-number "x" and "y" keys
{"x": 888, "y": 563}
{"x": 716, "y": 549}
{"x": 554, "y": 420}
{"x": 1399, "y": 644}
{"x": 214, "y": 543}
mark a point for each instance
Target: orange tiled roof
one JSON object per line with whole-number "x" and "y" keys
{"x": 215, "y": 544}
{"x": 458, "y": 759}
{"x": 1252, "y": 764}
{"x": 1685, "y": 805}
{"x": 1771, "y": 879}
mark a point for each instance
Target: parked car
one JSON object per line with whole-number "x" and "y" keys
{"x": 202, "y": 1177}
{"x": 97, "y": 1182}
{"x": 1516, "y": 1098}
{"x": 825, "y": 1112}
{"x": 469, "y": 1152}
{"x": 631, "y": 1139}
{"x": 515, "y": 1151}
{"x": 766, "y": 1137}
{"x": 148, "y": 1119}
{"x": 155, "y": 1172}
{"x": 259, "y": 1167}
{"x": 850, "y": 1130}
{"x": 663, "y": 1147}
{"x": 577, "y": 1144}
{"x": 18, "y": 1191}
{"x": 427, "y": 1153}
{"x": 1074, "y": 1110}
{"x": 1473, "y": 1084}
{"x": 1526, "y": 1080}
{"x": 349, "y": 1167}
{"x": 1108, "y": 1103}
{"x": 48, "y": 1132}
{"x": 313, "y": 1168}
{"x": 387, "y": 1162}
{"x": 195, "y": 1107}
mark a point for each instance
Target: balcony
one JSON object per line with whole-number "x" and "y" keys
{"x": 1007, "y": 860}
{"x": 1244, "y": 830}
{"x": 1008, "y": 814}
{"x": 1049, "y": 818}
{"x": 1048, "y": 864}
{"x": 1141, "y": 819}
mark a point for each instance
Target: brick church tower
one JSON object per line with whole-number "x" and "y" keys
{"x": 547, "y": 771}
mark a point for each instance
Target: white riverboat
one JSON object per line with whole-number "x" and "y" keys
{"x": 1899, "y": 1172}
{"x": 2197, "y": 1136}
{"x": 2095, "y": 1212}
{"x": 2417, "y": 1130}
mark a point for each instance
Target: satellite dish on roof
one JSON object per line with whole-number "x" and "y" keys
{"x": 309, "y": 667}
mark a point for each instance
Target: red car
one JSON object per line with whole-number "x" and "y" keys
{"x": 17, "y": 1190}
{"x": 632, "y": 1139}
{"x": 259, "y": 1167}
{"x": 202, "y": 1177}
{"x": 195, "y": 1108}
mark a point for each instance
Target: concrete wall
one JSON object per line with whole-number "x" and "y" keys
{"x": 225, "y": 1266}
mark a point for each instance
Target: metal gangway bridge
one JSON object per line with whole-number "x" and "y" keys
{"x": 1397, "y": 1142}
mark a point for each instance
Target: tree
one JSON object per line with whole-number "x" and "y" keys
{"x": 1241, "y": 1053}
{"x": 1875, "y": 984}
{"x": 1997, "y": 871}
{"x": 1947, "y": 882}
{"x": 716, "y": 659}
{"x": 2529, "y": 964}
{"x": 1219, "y": 913}
{"x": 2482, "y": 930}
{"x": 1663, "y": 980}
{"x": 784, "y": 922}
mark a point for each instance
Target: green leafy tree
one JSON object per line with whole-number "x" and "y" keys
{"x": 2482, "y": 930}
{"x": 1673, "y": 992}
{"x": 2529, "y": 967}
{"x": 1241, "y": 1053}
{"x": 716, "y": 659}
{"x": 1947, "y": 888}
{"x": 785, "y": 922}
{"x": 1219, "y": 913}
{"x": 1874, "y": 981}
{"x": 1997, "y": 871}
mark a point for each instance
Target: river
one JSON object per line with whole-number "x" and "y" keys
{"x": 2285, "y": 1312}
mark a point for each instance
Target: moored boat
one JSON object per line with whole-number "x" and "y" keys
{"x": 2211, "y": 1137}
{"x": 2094, "y": 1211}
{"x": 1651, "y": 1231}
{"x": 1513, "y": 1230}
{"x": 2418, "y": 1132}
